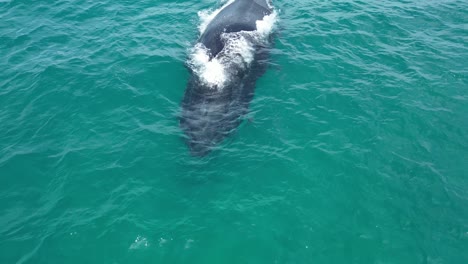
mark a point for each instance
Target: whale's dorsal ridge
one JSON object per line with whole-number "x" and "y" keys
{"x": 263, "y": 3}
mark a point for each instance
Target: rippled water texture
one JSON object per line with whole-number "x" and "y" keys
{"x": 356, "y": 150}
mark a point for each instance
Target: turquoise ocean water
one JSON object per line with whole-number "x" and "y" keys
{"x": 356, "y": 150}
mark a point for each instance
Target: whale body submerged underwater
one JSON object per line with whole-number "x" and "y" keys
{"x": 230, "y": 55}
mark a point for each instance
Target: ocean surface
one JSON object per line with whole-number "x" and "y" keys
{"x": 355, "y": 149}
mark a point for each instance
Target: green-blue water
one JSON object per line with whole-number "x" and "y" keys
{"x": 357, "y": 150}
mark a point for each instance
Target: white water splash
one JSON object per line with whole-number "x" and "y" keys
{"x": 211, "y": 72}
{"x": 266, "y": 26}
{"x": 238, "y": 51}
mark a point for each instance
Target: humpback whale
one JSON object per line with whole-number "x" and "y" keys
{"x": 229, "y": 56}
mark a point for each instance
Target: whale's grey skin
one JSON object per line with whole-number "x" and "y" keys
{"x": 208, "y": 114}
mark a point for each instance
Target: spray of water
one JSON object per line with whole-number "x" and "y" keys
{"x": 238, "y": 51}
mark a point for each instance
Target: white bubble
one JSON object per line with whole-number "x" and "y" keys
{"x": 188, "y": 243}
{"x": 140, "y": 242}
{"x": 162, "y": 241}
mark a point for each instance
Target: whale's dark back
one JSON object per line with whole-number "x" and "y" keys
{"x": 210, "y": 114}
